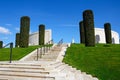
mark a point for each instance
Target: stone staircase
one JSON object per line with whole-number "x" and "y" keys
{"x": 23, "y": 71}
{"x": 49, "y": 67}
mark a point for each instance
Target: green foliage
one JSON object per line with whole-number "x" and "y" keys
{"x": 41, "y": 34}
{"x": 88, "y": 20}
{"x": 17, "y": 54}
{"x": 108, "y": 35}
{"x": 107, "y": 45}
{"x": 17, "y": 41}
{"x": 1, "y": 44}
{"x": 82, "y": 32}
{"x": 100, "y": 61}
{"x": 24, "y": 31}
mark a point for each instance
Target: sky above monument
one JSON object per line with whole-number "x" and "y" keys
{"x": 61, "y": 16}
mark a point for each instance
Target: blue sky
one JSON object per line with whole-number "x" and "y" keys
{"x": 62, "y": 16}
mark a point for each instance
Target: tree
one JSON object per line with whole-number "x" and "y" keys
{"x": 1, "y": 44}
{"x": 107, "y": 28}
{"x": 41, "y": 34}
{"x": 88, "y": 21}
{"x": 82, "y": 32}
{"x": 17, "y": 41}
{"x": 24, "y": 31}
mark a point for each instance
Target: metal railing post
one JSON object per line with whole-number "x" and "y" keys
{"x": 44, "y": 50}
{"x": 60, "y": 42}
{"x": 49, "y": 45}
{"x": 11, "y": 46}
{"x": 40, "y": 52}
{"x": 37, "y": 53}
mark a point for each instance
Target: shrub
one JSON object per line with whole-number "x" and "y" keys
{"x": 82, "y": 32}
{"x": 88, "y": 21}
{"x": 108, "y": 36}
{"x": 1, "y": 44}
{"x": 107, "y": 45}
{"x": 17, "y": 41}
{"x": 24, "y": 31}
{"x": 41, "y": 34}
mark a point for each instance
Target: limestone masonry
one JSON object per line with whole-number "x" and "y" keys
{"x": 34, "y": 37}
{"x": 100, "y": 36}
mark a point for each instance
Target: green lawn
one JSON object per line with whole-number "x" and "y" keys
{"x": 102, "y": 61}
{"x": 17, "y": 54}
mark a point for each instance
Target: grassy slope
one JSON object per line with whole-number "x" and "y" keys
{"x": 17, "y": 54}
{"x": 100, "y": 61}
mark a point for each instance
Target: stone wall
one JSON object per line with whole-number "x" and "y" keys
{"x": 100, "y": 36}
{"x": 34, "y": 37}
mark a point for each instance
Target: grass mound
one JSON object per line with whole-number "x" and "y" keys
{"x": 17, "y": 53}
{"x": 102, "y": 61}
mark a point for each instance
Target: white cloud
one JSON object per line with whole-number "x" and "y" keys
{"x": 5, "y": 38}
{"x": 69, "y": 25}
{"x": 4, "y": 30}
{"x": 17, "y": 29}
{"x": 8, "y": 24}
{"x": 30, "y": 32}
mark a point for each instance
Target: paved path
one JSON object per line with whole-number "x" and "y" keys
{"x": 49, "y": 67}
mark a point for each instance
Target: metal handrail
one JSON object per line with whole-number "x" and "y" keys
{"x": 11, "y": 46}
{"x": 41, "y": 51}
{"x": 60, "y": 42}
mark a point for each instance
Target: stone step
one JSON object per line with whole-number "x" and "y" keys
{"x": 56, "y": 64}
{"x": 46, "y": 68}
{"x": 28, "y": 62}
{"x": 24, "y": 78}
{"x": 49, "y": 57}
{"x": 31, "y": 63}
{"x": 87, "y": 77}
{"x": 29, "y": 70}
{"x": 68, "y": 69}
{"x": 94, "y": 78}
{"x": 23, "y": 70}
{"x": 21, "y": 67}
{"x": 35, "y": 65}
{"x": 55, "y": 50}
{"x": 60, "y": 67}
{"x": 4, "y": 78}
{"x": 22, "y": 74}
{"x": 20, "y": 64}
{"x": 43, "y": 59}
{"x": 50, "y": 54}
